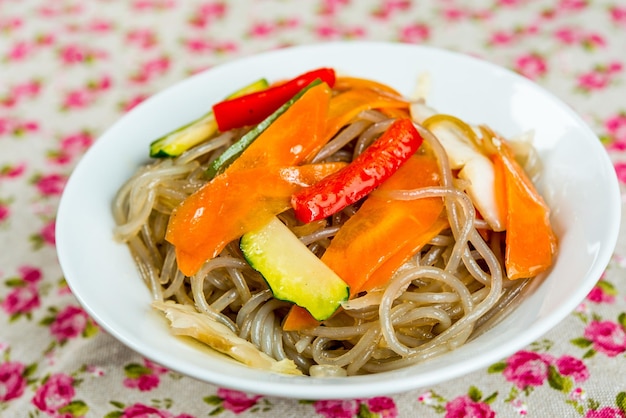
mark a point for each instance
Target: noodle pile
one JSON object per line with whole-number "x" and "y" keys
{"x": 437, "y": 301}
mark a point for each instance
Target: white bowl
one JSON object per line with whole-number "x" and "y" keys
{"x": 579, "y": 184}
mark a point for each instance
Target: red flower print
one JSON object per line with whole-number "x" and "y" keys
{"x": 464, "y": 406}
{"x": 571, "y": 5}
{"x": 144, "y": 378}
{"x": 50, "y": 184}
{"x": 12, "y": 381}
{"x": 527, "y": 368}
{"x": 391, "y": 6}
{"x": 21, "y": 300}
{"x": 593, "y": 80}
{"x": 572, "y": 367}
{"x": 55, "y": 393}
{"x": 531, "y": 65}
{"x": 69, "y": 323}
{"x": 606, "y": 412}
{"x": 415, "y": 33}
{"x": 608, "y": 337}
{"x": 235, "y": 401}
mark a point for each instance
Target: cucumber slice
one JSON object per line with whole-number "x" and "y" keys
{"x": 180, "y": 140}
{"x": 235, "y": 150}
{"x": 292, "y": 271}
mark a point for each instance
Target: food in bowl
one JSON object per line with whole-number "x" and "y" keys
{"x": 328, "y": 225}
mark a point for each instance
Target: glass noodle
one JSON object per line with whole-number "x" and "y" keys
{"x": 448, "y": 292}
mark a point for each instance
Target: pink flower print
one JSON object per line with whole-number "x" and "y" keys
{"x": 531, "y": 65}
{"x": 608, "y": 337}
{"x": 144, "y": 383}
{"x": 571, "y": 5}
{"x": 139, "y": 410}
{"x": 453, "y": 14}
{"x": 21, "y": 300}
{"x": 12, "y": 380}
{"x": 47, "y": 233}
{"x": 262, "y": 29}
{"x": 152, "y": 68}
{"x": 208, "y": 12}
{"x": 464, "y": 406}
{"x": 153, "y": 4}
{"x": 133, "y": 101}
{"x": 384, "y": 406}
{"x": 20, "y": 51}
{"x": 50, "y": 184}
{"x": 593, "y": 80}
{"x": 332, "y": 7}
{"x": 572, "y": 367}
{"x": 77, "y": 99}
{"x": 8, "y": 24}
{"x": 79, "y": 54}
{"x": 620, "y": 169}
{"x": 18, "y": 92}
{"x": 336, "y": 408}
{"x": 390, "y": 7}
{"x": 143, "y": 377}
{"x": 143, "y": 38}
{"x": 69, "y": 323}
{"x": 12, "y": 171}
{"x": 71, "y": 146}
{"x": 235, "y": 401}
{"x": 502, "y": 38}
{"x": 618, "y": 14}
{"x": 327, "y": 31}
{"x": 605, "y": 412}
{"x": 54, "y": 394}
{"x": 415, "y": 33}
{"x": 602, "y": 292}
{"x": 527, "y": 368}
{"x": 5, "y": 212}
{"x": 616, "y": 129}
{"x": 568, "y": 36}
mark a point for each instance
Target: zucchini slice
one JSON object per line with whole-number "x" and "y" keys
{"x": 292, "y": 271}
{"x": 180, "y": 140}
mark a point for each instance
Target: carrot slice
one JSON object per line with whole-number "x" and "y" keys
{"x": 530, "y": 240}
{"x": 350, "y": 83}
{"x": 346, "y": 106}
{"x": 382, "y": 234}
{"x": 232, "y": 204}
{"x": 296, "y": 135}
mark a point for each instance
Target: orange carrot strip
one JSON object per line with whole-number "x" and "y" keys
{"x": 232, "y": 204}
{"x": 350, "y": 83}
{"x": 530, "y": 240}
{"x": 346, "y": 106}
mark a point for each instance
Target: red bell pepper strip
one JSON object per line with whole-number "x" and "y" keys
{"x": 355, "y": 181}
{"x": 253, "y": 108}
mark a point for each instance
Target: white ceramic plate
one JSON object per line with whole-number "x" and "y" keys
{"x": 579, "y": 184}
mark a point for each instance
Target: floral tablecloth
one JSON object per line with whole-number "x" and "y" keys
{"x": 71, "y": 68}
